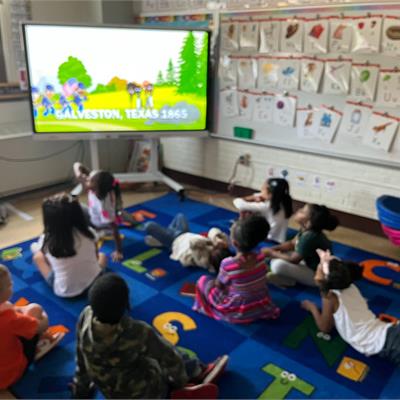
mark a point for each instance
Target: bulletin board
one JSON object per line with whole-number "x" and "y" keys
{"x": 320, "y": 80}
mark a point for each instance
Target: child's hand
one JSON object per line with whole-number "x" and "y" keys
{"x": 267, "y": 251}
{"x": 116, "y": 256}
{"x": 308, "y": 305}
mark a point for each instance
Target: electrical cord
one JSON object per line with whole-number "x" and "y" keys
{"x": 231, "y": 182}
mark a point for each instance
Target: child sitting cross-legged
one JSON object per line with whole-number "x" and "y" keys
{"x": 20, "y": 328}
{"x": 344, "y": 307}
{"x": 239, "y": 294}
{"x": 126, "y": 358}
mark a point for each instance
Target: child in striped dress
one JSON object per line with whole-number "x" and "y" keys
{"x": 239, "y": 294}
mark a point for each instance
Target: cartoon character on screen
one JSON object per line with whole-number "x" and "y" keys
{"x": 35, "y": 100}
{"x": 47, "y": 102}
{"x": 138, "y": 92}
{"x": 80, "y": 96}
{"x": 130, "y": 88}
{"x": 148, "y": 94}
{"x": 65, "y": 104}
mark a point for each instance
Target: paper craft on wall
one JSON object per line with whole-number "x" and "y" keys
{"x": 229, "y": 36}
{"x": 388, "y": 88}
{"x": 355, "y": 118}
{"x": 337, "y": 76}
{"x": 292, "y": 35}
{"x": 311, "y": 74}
{"x": 304, "y": 122}
{"x": 340, "y": 35}
{"x": 364, "y": 78}
{"x": 366, "y": 34}
{"x": 248, "y": 35}
{"x": 288, "y": 73}
{"x": 228, "y": 100}
{"x": 391, "y": 35}
{"x": 326, "y": 122}
{"x": 246, "y": 73}
{"x": 381, "y": 131}
{"x": 270, "y": 35}
{"x": 316, "y": 35}
{"x": 264, "y": 105}
{"x": 284, "y": 110}
{"x": 246, "y": 104}
{"x": 227, "y": 71}
{"x": 268, "y": 73}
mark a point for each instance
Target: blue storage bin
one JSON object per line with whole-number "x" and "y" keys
{"x": 389, "y": 206}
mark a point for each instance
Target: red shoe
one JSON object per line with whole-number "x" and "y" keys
{"x": 202, "y": 391}
{"x": 213, "y": 370}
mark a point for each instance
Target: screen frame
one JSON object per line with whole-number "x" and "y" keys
{"x": 92, "y": 135}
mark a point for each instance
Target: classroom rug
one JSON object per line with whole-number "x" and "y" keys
{"x": 286, "y": 358}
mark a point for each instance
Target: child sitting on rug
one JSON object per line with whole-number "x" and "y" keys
{"x": 20, "y": 328}
{"x": 126, "y": 358}
{"x": 66, "y": 253}
{"x": 190, "y": 249}
{"x": 344, "y": 307}
{"x": 239, "y": 294}
{"x": 296, "y": 260}
{"x": 274, "y": 203}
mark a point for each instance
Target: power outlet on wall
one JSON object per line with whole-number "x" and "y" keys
{"x": 245, "y": 160}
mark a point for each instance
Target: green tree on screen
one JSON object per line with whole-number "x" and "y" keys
{"x": 160, "y": 79}
{"x": 187, "y": 77}
{"x": 202, "y": 65}
{"x": 170, "y": 74}
{"x": 74, "y": 68}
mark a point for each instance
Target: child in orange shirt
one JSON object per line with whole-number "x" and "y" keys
{"x": 20, "y": 328}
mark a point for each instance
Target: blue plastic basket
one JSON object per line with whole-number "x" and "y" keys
{"x": 389, "y": 206}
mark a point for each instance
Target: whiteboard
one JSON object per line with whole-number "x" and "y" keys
{"x": 343, "y": 146}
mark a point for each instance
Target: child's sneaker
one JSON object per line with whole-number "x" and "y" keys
{"x": 213, "y": 370}
{"x": 152, "y": 241}
{"x": 47, "y": 342}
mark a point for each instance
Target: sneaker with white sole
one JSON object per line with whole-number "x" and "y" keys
{"x": 214, "y": 370}
{"x": 152, "y": 241}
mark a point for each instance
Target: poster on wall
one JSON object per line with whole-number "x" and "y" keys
{"x": 364, "y": 78}
{"x": 289, "y": 72}
{"x": 248, "y": 35}
{"x": 228, "y": 102}
{"x": 227, "y": 71}
{"x": 366, "y": 34}
{"x": 304, "y": 122}
{"x": 326, "y": 123}
{"x": 381, "y": 131}
{"x": 284, "y": 110}
{"x": 264, "y": 105}
{"x": 391, "y": 35}
{"x": 292, "y": 35}
{"x": 355, "y": 119}
{"x": 229, "y": 36}
{"x": 269, "y": 36}
{"x": 388, "y": 88}
{"x": 246, "y": 104}
{"x": 316, "y": 35}
{"x": 268, "y": 73}
{"x": 311, "y": 74}
{"x": 246, "y": 73}
{"x": 337, "y": 76}
{"x": 340, "y": 35}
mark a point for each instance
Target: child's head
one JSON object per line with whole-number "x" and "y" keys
{"x": 278, "y": 194}
{"x": 218, "y": 253}
{"x": 109, "y": 298}
{"x": 6, "y": 286}
{"x": 248, "y": 232}
{"x": 62, "y": 214}
{"x": 316, "y": 218}
{"x": 102, "y": 183}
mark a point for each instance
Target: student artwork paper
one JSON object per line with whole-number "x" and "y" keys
{"x": 380, "y": 131}
{"x": 229, "y": 36}
{"x": 288, "y": 74}
{"x": 326, "y": 123}
{"x": 229, "y": 103}
{"x": 316, "y": 36}
{"x": 304, "y": 122}
{"x": 246, "y": 73}
{"x": 268, "y": 73}
{"x": 246, "y": 105}
{"x": 340, "y": 35}
{"x": 292, "y": 36}
{"x": 227, "y": 71}
{"x": 284, "y": 110}
{"x": 366, "y": 34}
{"x": 248, "y": 35}
{"x": 311, "y": 74}
{"x": 388, "y": 88}
{"x": 391, "y": 35}
{"x": 337, "y": 76}
{"x": 270, "y": 36}
{"x": 264, "y": 105}
{"x": 355, "y": 119}
{"x": 363, "y": 81}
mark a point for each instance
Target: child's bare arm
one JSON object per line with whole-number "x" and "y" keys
{"x": 324, "y": 318}
{"x": 117, "y": 254}
{"x": 81, "y": 173}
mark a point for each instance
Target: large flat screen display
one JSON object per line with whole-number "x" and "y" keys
{"x": 114, "y": 79}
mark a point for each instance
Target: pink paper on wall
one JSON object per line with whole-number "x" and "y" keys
{"x": 316, "y": 35}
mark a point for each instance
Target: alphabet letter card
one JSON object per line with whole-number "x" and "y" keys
{"x": 229, "y": 36}
{"x": 246, "y": 73}
{"x": 285, "y": 110}
{"x": 337, "y": 76}
{"x": 391, "y": 35}
{"x": 340, "y": 35}
{"x": 246, "y": 104}
{"x": 270, "y": 32}
{"x": 264, "y": 105}
{"x": 325, "y": 123}
{"x": 227, "y": 71}
{"x": 311, "y": 74}
{"x": 268, "y": 73}
{"x": 304, "y": 122}
{"x": 366, "y": 34}
{"x": 292, "y": 35}
{"x": 248, "y": 35}
{"x": 388, "y": 88}
{"x": 355, "y": 118}
{"x": 289, "y": 73}
{"x": 228, "y": 100}
{"x": 364, "y": 78}
{"x": 316, "y": 35}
